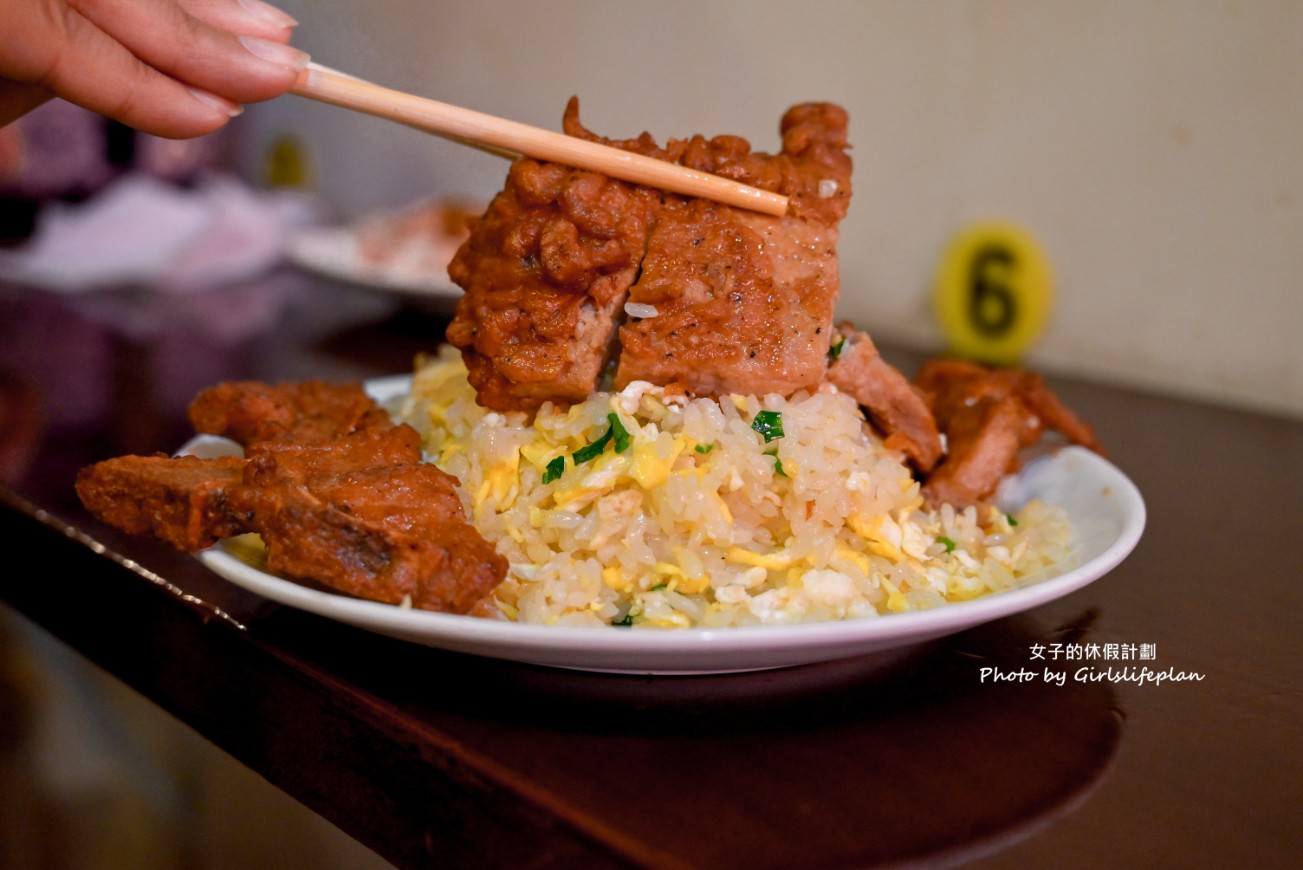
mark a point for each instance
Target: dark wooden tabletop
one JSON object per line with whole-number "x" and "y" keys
{"x": 432, "y": 758}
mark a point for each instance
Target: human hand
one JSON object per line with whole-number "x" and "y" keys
{"x": 174, "y": 68}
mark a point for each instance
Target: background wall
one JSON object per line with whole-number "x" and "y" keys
{"x": 1154, "y": 149}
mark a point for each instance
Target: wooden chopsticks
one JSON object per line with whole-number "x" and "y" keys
{"x": 464, "y": 125}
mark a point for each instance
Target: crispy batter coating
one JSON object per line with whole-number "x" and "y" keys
{"x": 250, "y": 412}
{"x": 988, "y": 415}
{"x": 393, "y": 533}
{"x": 723, "y": 300}
{"x": 186, "y": 501}
{"x": 338, "y": 493}
{"x": 744, "y": 302}
{"x": 546, "y": 272}
{"x": 895, "y": 406}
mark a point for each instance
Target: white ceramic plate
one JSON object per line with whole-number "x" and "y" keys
{"x": 1105, "y": 508}
{"x": 334, "y": 252}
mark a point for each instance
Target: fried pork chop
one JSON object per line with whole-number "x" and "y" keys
{"x": 988, "y": 415}
{"x": 896, "y": 407}
{"x": 546, "y": 272}
{"x": 744, "y": 302}
{"x": 250, "y": 412}
{"x": 392, "y": 533}
{"x": 187, "y": 501}
{"x": 337, "y": 492}
{"x": 723, "y": 300}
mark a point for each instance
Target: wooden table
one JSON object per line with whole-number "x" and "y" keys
{"x": 439, "y": 759}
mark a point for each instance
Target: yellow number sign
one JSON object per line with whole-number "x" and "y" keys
{"x": 993, "y": 293}
{"x": 288, "y": 164}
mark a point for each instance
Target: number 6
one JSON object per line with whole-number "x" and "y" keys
{"x": 993, "y": 293}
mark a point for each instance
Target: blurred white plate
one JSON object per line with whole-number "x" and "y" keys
{"x": 1105, "y": 508}
{"x": 335, "y": 252}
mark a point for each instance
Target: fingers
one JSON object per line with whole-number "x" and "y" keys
{"x": 64, "y": 54}
{"x": 244, "y": 17}
{"x": 156, "y": 65}
{"x": 244, "y": 66}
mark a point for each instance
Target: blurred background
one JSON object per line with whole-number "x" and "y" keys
{"x": 1154, "y": 150}
{"x": 1151, "y": 150}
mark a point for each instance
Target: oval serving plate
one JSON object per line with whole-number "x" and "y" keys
{"x": 1105, "y": 509}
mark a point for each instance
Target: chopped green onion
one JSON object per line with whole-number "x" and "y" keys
{"x": 615, "y": 431}
{"x": 554, "y": 469}
{"x": 659, "y": 586}
{"x": 625, "y": 620}
{"x": 591, "y": 451}
{"x": 703, "y": 449}
{"x": 769, "y": 424}
{"x": 778, "y": 463}
{"x": 622, "y": 438}
{"x": 837, "y": 347}
{"x": 949, "y": 543}
{"x": 1012, "y": 520}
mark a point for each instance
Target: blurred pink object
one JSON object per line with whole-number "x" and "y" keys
{"x": 62, "y": 151}
{"x": 141, "y": 231}
{"x": 404, "y": 251}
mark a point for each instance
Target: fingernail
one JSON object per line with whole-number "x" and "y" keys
{"x": 213, "y": 101}
{"x": 269, "y": 13}
{"x": 276, "y": 52}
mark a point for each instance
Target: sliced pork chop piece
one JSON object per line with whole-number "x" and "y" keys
{"x": 988, "y": 415}
{"x": 736, "y": 302}
{"x": 545, "y": 272}
{"x": 393, "y": 534}
{"x": 728, "y": 300}
{"x": 732, "y": 304}
{"x": 189, "y": 502}
{"x": 1053, "y": 414}
{"x": 249, "y": 412}
{"x": 363, "y": 515}
{"x": 369, "y": 448}
{"x": 894, "y": 405}
{"x": 983, "y": 439}
{"x": 371, "y": 475}
{"x": 336, "y": 490}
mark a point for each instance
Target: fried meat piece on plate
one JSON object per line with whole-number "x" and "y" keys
{"x": 189, "y": 502}
{"x": 546, "y": 272}
{"x": 249, "y": 412}
{"x": 369, "y": 448}
{"x": 336, "y": 490}
{"x": 895, "y": 406}
{"x": 731, "y": 301}
{"x": 726, "y": 300}
{"x": 988, "y": 415}
{"x": 394, "y": 533}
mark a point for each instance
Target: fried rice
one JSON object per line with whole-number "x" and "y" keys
{"x": 650, "y": 509}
